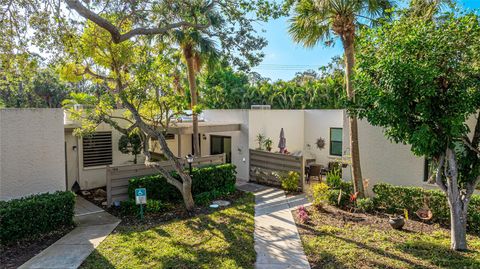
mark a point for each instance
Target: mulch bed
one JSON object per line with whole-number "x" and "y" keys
{"x": 330, "y": 215}
{"x": 173, "y": 211}
{"x": 14, "y": 255}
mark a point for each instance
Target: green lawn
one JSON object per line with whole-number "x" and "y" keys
{"x": 223, "y": 239}
{"x": 332, "y": 242}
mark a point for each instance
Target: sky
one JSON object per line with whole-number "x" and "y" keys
{"x": 284, "y": 58}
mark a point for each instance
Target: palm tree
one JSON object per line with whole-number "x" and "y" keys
{"x": 427, "y": 8}
{"x": 197, "y": 50}
{"x": 320, "y": 20}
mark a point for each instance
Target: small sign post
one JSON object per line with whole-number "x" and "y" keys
{"x": 141, "y": 199}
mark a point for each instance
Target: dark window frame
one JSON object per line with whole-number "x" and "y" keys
{"x": 222, "y": 137}
{"x": 335, "y": 141}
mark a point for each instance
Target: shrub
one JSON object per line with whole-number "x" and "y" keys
{"x": 393, "y": 199}
{"x": 204, "y": 179}
{"x": 205, "y": 198}
{"x": 334, "y": 180}
{"x": 30, "y": 217}
{"x": 365, "y": 204}
{"x": 320, "y": 194}
{"x": 129, "y": 207}
{"x": 339, "y": 198}
{"x": 339, "y": 193}
{"x": 290, "y": 181}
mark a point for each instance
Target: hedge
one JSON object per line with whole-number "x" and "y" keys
{"x": 394, "y": 199}
{"x": 204, "y": 179}
{"x": 30, "y": 217}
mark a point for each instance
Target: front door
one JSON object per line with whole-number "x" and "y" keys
{"x": 221, "y": 144}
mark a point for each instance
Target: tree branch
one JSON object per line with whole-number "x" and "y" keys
{"x": 118, "y": 37}
{"x": 438, "y": 176}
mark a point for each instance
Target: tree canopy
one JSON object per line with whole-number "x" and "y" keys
{"x": 420, "y": 79}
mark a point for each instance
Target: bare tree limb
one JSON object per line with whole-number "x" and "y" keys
{"x": 118, "y": 37}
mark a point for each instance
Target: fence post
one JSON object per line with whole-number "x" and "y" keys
{"x": 109, "y": 186}
{"x": 302, "y": 168}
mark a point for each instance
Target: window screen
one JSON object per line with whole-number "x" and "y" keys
{"x": 97, "y": 149}
{"x": 336, "y": 141}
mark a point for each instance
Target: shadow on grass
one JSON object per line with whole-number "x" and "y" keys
{"x": 223, "y": 239}
{"x": 96, "y": 260}
{"x": 439, "y": 255}
{"x": 364, "y": 246}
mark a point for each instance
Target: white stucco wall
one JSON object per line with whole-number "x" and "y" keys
{"x": 32, "y": 156}
{"x": 318, "y": 124}
{"x": 382, "y": 160}
{"x": 270, "y": 122}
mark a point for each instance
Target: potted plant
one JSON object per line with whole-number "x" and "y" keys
{"x": 268, "y": 144}
{"x": 260, "y": 139}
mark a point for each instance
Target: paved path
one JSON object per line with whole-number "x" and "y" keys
{"x": 93, "y": 226}
{"x": 277, "y": 241}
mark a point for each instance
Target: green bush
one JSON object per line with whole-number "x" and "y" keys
{"x": 290, "y": 181}
{"x": 393, "y": 199}
{"x": 365, "y": 204}
{"x": 30, "y": 217}
{"x": 334, "y": 180}
{"x": 129, "y": 207}
{"x": 204, "y": 179}
{"x": 343, "y": 202}
{"x": 205, "y": 198}
{"x": 320, "y": 194}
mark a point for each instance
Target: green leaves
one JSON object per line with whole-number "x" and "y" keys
{"x": 418, "y": 78}
{"x": 32, "y": 216}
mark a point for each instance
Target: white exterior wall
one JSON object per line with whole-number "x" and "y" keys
{"x": 270, "y": 122}
{"x": 32, "y": 156}
{"x": 239, "y": 138}
{"x": 318, "y": 124}
{"x": 382, "y": 160}
{"x": 94, "y": 177}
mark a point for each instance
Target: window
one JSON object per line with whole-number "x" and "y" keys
{"x": 221, "y": 144}
{"x": 336, "y": 141}
{"x": 97, "y": 149}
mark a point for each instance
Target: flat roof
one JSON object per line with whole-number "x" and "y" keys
{"x": 203, "y": 127}
{"x": 180, "y": 128}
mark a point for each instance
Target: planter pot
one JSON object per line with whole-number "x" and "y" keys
{"x": 397, "y": 222}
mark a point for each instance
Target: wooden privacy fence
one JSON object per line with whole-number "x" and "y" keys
{"x": 265, "y": 165}
{"x": 119, "y": 175}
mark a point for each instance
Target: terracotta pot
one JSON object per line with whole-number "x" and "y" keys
{"x": 397, "y": 222}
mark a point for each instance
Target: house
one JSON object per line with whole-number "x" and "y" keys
{"x": 40, "y": 153}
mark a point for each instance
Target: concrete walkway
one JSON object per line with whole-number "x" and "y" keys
{"x": 277, "y": 241}
{"x": 93, "y": 226}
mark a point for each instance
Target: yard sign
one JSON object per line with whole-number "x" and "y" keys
{"x": 140, "y": 196}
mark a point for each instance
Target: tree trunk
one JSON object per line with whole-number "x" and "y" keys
{"x": 348, "y": 45}
{"x": 187, "y": 196}
{"x": 457, "y": 202}
{"x": 458, "y": 222}
{"x": 185, "y": 185}
{"x": 188, "y": 54}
